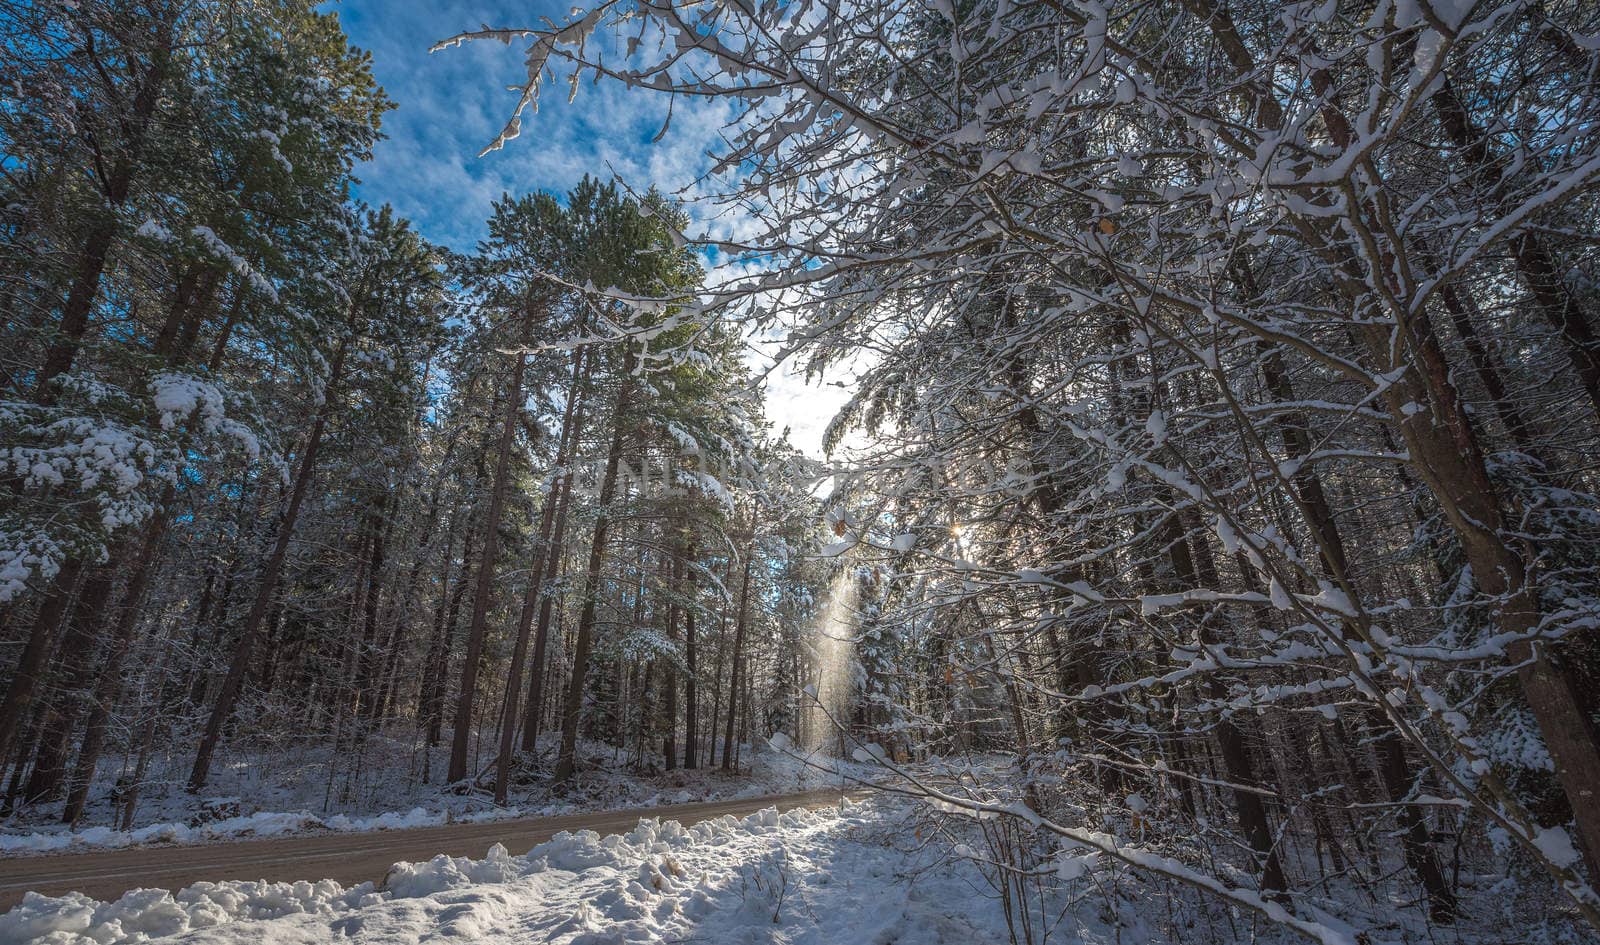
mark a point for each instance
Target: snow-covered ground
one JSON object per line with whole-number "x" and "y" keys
{"x": 285, "y": 792}
{"x": 884, "y": 872}
{"x": 888, "y": 872}
{"x": 836, "y": 876}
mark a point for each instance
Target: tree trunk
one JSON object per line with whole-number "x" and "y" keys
{"x": 1393, "y": 768}
{"x": 736, "y": 661}
{"x": 1489, "y": 373}
{"x": 1195, "y": 567}
{"x": 108, "y": 689}
{"x": 513, "y": 687}
{"x": 690, "y": 664}
{"x": 1447, "y": 456}
{"x": 551, "y": 548}
{"x": 267, "y": 583}
{"x": 722, "y": 652}
{"x": 573, "y": 707}
{"x": 533, "y": 712}
{"x": 436, "y": 638}
{"x": 61, "y": 715}
{"x": 460, "y": 741}
{"x": 442, "y": 670}
{"x": 369, "y": 663}
{"x": 1531, "y": 257}
{"x": 191, "y": 301}
{"x": 669, "y": 676}
{"x": 36, "y": 653}
{"x": 691, "y": 687}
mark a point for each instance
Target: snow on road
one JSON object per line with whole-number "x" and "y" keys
{"x": 801, "y": 878}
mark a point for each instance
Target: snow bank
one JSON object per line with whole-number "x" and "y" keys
{"x": 638, "y": 865}
{"x": 863, "y": 873}
{"x": 263, "y": 824}
{"x": 156, "y": 913}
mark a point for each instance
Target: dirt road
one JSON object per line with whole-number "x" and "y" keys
{"x": 349, "y": 858}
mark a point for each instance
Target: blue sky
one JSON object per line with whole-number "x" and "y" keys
{"x": 453, "y": 103}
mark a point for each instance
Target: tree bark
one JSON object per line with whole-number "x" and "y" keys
{"x": 551, "y": 550}
{"x": 669, "y": 676}
{"x": 368, "y": 660}
{"x": 1489, "y": 373}
{"x": 513, "y": 687}
{"x": 691, "y": 686}
{"x": 108, "y": 689}
{"x": 572, "y": 708}
{"x": 1393, "y": 768}
{"x": 267, "y": 583}
{"x": 61, "y": 714}
{"x": 36, "y": 653}
{"x": 737, "y": 661}
{"x": 1446, "y": 454}
{"x": 460, "y": 742}
{"x": 1194, "y": 565}
{"x": 441, "y": 670}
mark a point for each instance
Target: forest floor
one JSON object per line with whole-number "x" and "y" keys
{"x": 885, "y": 872}
{"x": 348, "y": 858}
{"x": 875, "y": 873}
{"x": 823, "y": 877}
{"x": 288, "y": 790}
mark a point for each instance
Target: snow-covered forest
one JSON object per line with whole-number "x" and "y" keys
{"x": 1215, "y": 506}
{"x": 282, "y": 475}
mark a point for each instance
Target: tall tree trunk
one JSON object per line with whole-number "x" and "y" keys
{"x": 25, "y": 744}
{"x": 1447, "y": 457}
{"x": 1529, "y": 254}
{"x": 1016, "y": 706}
{"x": 1445, "y": 454}
{"x": 691, "y": 685}
{"x": 60, "y": 716}
{"x": 108, "y": 688}
{"x": 1393, "y": 768}
{"x": 192, "y": 301}
{"x": 1562, "y": 310}
{"x": 268, "y": 581}
{"x": 90, "y": 617}
{"x": 551, "y": 548}
{"x": 1489, "y": 373}
{"x": 513, "y": 687}
{"x": 441, "y": 672}
{"x": 36, "y": 653}
{"x": 1194, "y": 565}
{"x": 669, "y": 680}
{"x": 428, "y": 698}
{"x": 74, "y": 323}
{"x": 369, "y": 662}
{"x": 533, "y": 712}
{"x": 572, "y": 709}
{"x": 722, "y": 649}
{"x": 737, "y": 659}
{"x": 460, "y": 742}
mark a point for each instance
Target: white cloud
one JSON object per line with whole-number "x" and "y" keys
{"x": 803, "y": 407}
{"x": 452, "y": 103}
